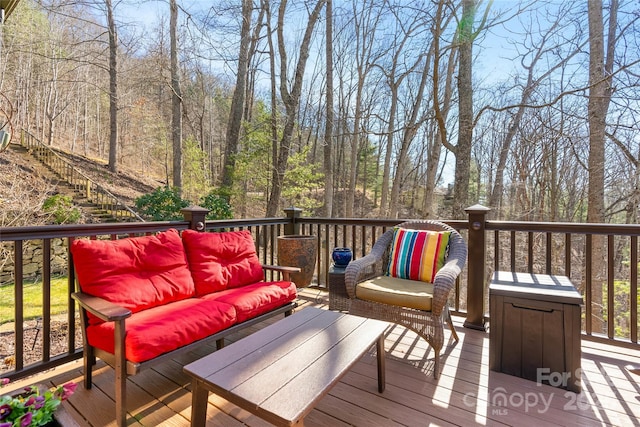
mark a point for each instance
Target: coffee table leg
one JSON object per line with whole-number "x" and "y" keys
{"x": 199, "y": 401}
{"x": 381, "y": 370}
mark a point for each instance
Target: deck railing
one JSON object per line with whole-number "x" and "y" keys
{"x": 30, "y": 345}
{"x": 600, "y": 259}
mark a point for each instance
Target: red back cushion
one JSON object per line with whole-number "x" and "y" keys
{"x": 221, "y": 260}
{"x": 137, "y": 272}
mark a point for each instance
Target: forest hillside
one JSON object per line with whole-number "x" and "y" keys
{"x": 26, "y": 183}
{"x": 352, "y": 108}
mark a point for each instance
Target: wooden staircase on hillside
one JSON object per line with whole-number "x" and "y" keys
{"x": 90, "y": 196}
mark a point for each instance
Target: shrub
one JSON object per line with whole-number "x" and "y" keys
{"x": 163, "y": 204}
{"x": 61, "y": 209}
{"x": 218, "y": 206}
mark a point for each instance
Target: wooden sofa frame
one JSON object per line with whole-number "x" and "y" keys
{"x": 110, "y": 312}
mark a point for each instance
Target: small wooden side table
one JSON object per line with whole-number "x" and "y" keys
{"x": 535, "y": 328}
{"x": 338, "y": 297}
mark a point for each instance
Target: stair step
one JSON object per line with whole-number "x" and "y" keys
{"x": 100, "y": 211}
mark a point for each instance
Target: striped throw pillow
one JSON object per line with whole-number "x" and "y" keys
{"x": 417, "y": 254}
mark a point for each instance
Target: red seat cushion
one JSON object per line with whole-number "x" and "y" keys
{"x": 137, "y": 273}
{"x": 256, "y": 299}
{"x": 221, "y": 260}
{"x": 159, "y": 330}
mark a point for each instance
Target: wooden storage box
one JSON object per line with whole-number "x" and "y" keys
{"x": 535, "y": 328}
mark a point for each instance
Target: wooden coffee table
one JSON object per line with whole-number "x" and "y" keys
{"x": 280, "y": 372}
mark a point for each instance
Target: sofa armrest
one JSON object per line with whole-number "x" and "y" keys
{"x": 284, "y": 270}
{"x": 101, "y": 308}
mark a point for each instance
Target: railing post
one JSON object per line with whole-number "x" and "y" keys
{"x": 293, "y": 227}
{"x": 476, "y": 267}
{"x": 196, "y": 215}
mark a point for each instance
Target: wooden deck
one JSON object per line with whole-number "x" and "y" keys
{"x": 466, "y": 394}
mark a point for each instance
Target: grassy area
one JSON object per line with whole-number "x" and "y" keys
{"x": 33, "y": 299}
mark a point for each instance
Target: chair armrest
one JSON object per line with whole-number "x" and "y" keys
{"x": 101, "y": 308}
{"x": 365, "y": 267}
{"x": 446, "y": 277}
{"x": 285, "y": 271}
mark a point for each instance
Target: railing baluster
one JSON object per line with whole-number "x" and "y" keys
{"x": 530, "y": 252}
{"x": 549, "y": 243}
{"x": 319, "y": 257}
{"x": 326, "y": 232}
{"x": 19, "y": 305}
{"x": 497, "y": 252}
{"x": 46, "y": 299}
{"x": 633, "y": 291}
{"x": 335, "y": 236}
{"x": 71, "y": 284}
{"x": 513, "y": 251}
{"x": 567, "y": 254}
{"x": 353, "y": 238}
{"x": 274, "y": 231}
{"x": 588, "y": 271}
{"x": 610, "y": 291}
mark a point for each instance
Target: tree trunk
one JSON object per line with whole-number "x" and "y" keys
{"x": 290, "y": 99}
{"x": 599, "y": 98}
{"x": 113, "y": 89}
{"x": 176, "y": 101}
{"x": 386, "y": 168}
{"x": 237, "y": 102}
{"x": 465, "y": 110}
{"x": 328, "y": 131}
{"x": 411, "y": 126}
{"x": 435, "y": 150}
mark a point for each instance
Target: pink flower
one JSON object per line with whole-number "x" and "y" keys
{"x": 5, "y": 410}
{"x": 26, "y": 419}
{"x": 68, "y": 389}
{"x": 4, "y": 381}
{"x": 40, "y": 400}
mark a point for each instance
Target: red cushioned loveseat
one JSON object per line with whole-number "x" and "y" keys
{"x": 145, "y": 299}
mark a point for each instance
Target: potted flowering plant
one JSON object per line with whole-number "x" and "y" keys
{"x": 33, "y": 407}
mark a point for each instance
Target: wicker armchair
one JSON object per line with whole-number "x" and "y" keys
{"x": 427, "y": 324}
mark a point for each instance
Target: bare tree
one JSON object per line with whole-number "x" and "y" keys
{"x": 328, "y": 129}
{"x": 538, "y": 51}
{"x": 238, "y": 100}
{"x": 600, "y": 89}
{"x": 113, "y": 88}
{"x": 435, "y": 144}
{"x": 176, "y": 100}
{"x": 366, "y": 17}
{"x": 290, "y": 97}
{"x": 409, "y": 131}
{"x": 465, "y": 109}
{"x": 465, "y": 36}
{"x": 396, "y": 74}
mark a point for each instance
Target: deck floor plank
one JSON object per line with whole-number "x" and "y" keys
{"x": 466, "y": 394}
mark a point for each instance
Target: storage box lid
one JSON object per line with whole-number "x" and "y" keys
{"x": 540, "y": 287}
